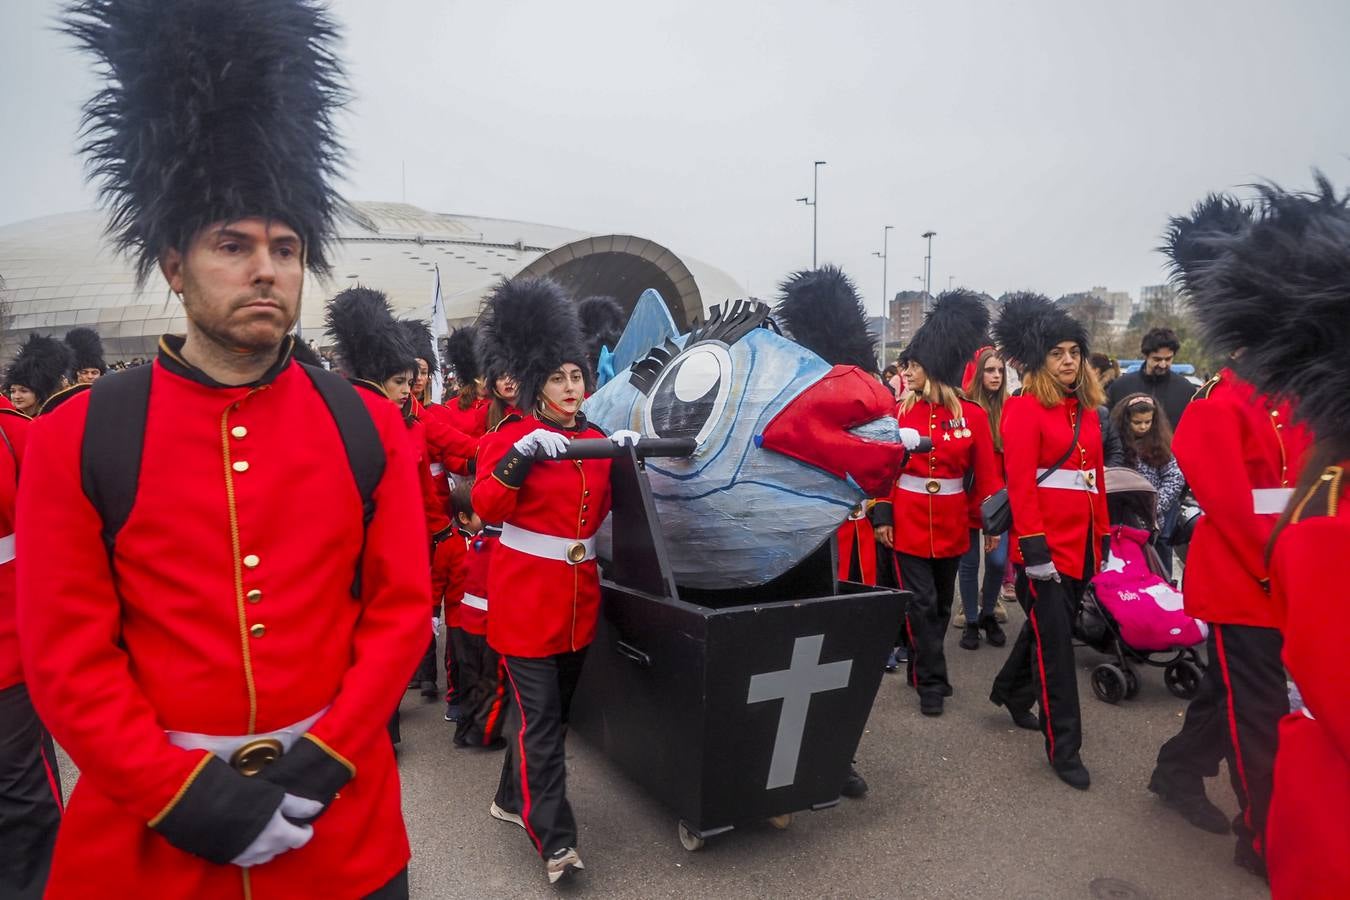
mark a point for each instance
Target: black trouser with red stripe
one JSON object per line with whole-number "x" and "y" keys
{"x": 1040, "y": 667}
{"x": 1235, "y": 715}
{"x": 482, "y": 707}
{"x": 933, "y": 584}
{"x": 30, "y": 797}
{"x": 534, "y": 775}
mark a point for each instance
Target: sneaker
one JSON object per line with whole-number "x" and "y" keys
{"x": 901, "y": 655}
{"x": 451, "y": 712}
{"x": 959, "y": 620}
{"x": 1000, "y": 613}
{"x": 1193, "y": 805}
{"x": 970, "y": 638}
{"x": 498, "y": 813}
{"x": 992, "y": 632}
{"x": 561, "y": 864}
{"x": 1008, "y": 592}
{"x": 854, "y": 785}
{"x": 891, "y": 662}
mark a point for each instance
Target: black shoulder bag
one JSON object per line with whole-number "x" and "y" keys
{"x": 997, "y": 512}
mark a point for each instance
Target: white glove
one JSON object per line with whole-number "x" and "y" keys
{"x": 281, "y": 835}
{"x": 552, "y": 443}
{"x": 1043, "y": 572}
{"x": 624, "y": 437}
{"x": 435, "y": 625}
{"x": 910, "y": 438}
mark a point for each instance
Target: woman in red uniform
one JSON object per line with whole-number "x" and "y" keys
{"x": 543, "y": 581}
{"x": 930, "y": 503}
{"x": 1052, "y": 456}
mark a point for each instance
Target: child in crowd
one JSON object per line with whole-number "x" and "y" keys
{"x": 1146, "y": 439}
{"x": 481, "y": 674}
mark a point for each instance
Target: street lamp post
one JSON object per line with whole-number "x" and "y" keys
{"x": 928, "y": 267}
{"x": 814, "y": 203}
{"x": 885, "y": 298}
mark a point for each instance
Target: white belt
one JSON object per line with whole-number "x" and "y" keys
{"x": 548, "y": 546}
{"x": 1270, "y": 501}
{"x": 940, "y": 486}
{"x": 475, "y": 601}
{"x": 437, "y": 470}
{"x": 1069, "y": 480}
{"x": 6, "y": 549}
{"x": 228, "y": 746}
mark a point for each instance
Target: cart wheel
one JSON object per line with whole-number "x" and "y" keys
{"x": 1183, "y": 678}
{"x": 1131, "y": 683}
{"x": 689, "y": 840}
{"x": 781, "y": 822}
{"x": 1108, "y": 683}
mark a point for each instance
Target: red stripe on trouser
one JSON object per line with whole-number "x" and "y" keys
{"x": 1233, "y": 735}
{"x": 914, "y": 647}
{"x": 495, "y": 710}
{"x": 1040, "y": 665}
{"x": 51, "y": 779}
{"x": 524, "y": 769}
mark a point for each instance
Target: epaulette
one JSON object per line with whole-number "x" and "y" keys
{"x": 370, "y": 386}
{"x": 62, "y": 396}
{"x": 1205, "y": 389}
{"x": 1322, "y": 498}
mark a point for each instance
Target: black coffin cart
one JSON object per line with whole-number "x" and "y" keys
{"x": 728, "y": 706}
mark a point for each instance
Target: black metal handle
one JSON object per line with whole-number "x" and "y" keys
{"x": 634, "y": 654}
{"x": 925, "y": 446}
{"x": 603, "y": 448}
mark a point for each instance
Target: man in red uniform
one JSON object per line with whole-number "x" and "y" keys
{"x": 1241, "y": 453}
{"x": 238, "y": 660}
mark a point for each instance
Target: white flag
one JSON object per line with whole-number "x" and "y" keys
{"x": 437, "y": 332}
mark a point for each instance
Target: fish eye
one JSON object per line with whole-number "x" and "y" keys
{"x": 689, "y": 397}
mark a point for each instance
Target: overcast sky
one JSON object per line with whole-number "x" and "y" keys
{"x": 1045, "y": 142}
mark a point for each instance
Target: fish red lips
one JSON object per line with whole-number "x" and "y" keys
{"x": 815, "y": 429}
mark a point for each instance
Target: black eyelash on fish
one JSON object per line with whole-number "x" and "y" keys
{"x": 728, "y": 324}
{"x": 647, "y": 370}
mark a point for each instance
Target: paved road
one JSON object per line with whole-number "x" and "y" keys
{"x": 961, "y": 806}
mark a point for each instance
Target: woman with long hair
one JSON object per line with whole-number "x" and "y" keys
{"x": 1146, "y": 445}
{"x": 1052, "y": 457}
{"x": 987, "y": 388}
{"x": 931, "y": 502}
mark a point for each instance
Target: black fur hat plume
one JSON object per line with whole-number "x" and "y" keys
{"x": 956, "y": 326}
{"x": 87, "y": 348}
{"x": 1191, "y": 242}
{"x": 423, "y": 344}
{"x": 305, "y": 354}
{"x": 370, "y": 343}
{"x": 821, "y": 311}
{"x": 1030, "y": 325}
{"x": 529, "y": 327}
{"x": 211, "y": 113}
{"x": 461, "y": 354}
{"x": 40, "y": 365}
{"x": 1280, "y": 293}
{"x": 602, "y": 324}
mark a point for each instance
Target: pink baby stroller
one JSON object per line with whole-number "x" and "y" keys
{"x": 1130, "y": 609}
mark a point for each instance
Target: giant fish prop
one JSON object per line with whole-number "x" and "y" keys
{"x": 787, "y": 445}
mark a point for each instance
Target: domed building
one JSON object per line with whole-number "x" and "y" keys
{"x": 58, "y": 273}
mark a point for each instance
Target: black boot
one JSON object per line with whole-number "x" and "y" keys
{"x": 993, "y": 632}
{"x": 1022, "y": 718}
{"x": 1074, "y": 774}
{"x": 970, "y": 638}
{"x": 854, "y": 785}
{"x": 1192, "y": 803}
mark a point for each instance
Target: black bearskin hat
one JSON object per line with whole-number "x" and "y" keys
{"x": 602, "y": 324}
{"x": 87, "y": 348}
{"x": 371, "y": 344}
{"x": 1030, "y": 325}
{"x": 211, "y": 113}
{"x": 40, "y": 365}
{"x": 821, "y": 311}
{"x": 461, "y": 354}
{"x": 956, "y": 326}
{"x": 1192, "y": 242}
{"x": 423, "y": 344}
{"x": 1280, "y": 293}
{"x": 527, "y": 330}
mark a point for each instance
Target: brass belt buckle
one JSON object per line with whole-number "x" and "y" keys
{"x": 1090, "y": 477}
{"x": 932, "y": 486}
{"x": 256, "y": 755}
{"x": 576, "y": 552}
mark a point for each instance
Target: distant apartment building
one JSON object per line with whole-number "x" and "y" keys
{"x": 906, "y": 315}
{"x": 1157, "y": 296}
{"x": 1119, "y": 303}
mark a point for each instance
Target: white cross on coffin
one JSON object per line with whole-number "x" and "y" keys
{"x": 794, "y": 686}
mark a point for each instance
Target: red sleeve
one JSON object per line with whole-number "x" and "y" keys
{"x": 69, "y": 621}
{"x": 1021, "y": 457}
{"x": 391, "y": 634}
{"x": 1211, "y": 431}
{"x": 447, "y": 442}
{"x": 988, "y": 478}
{"x": 493, "y": 499}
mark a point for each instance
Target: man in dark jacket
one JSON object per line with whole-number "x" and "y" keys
{"x": 1155, "y": 377}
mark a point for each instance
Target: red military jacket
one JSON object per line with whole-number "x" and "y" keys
{"x": 541, "y": 606}
{"x": 479, "y": 549}
{"x": 931, "y": 501}
{"x": 472, "y": 422}
{"x": 1054, "y": 524}
{"x": 1308, "y": 831}
{"x": 226, "y": 609}
{"x": 14, "y": 426}
{"x": 1231, "y": 442}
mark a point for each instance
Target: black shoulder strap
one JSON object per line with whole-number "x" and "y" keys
{"x": 365, "y": 453}
{"x": 114, "y": 435}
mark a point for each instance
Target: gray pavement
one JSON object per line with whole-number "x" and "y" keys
{"x": 960, "y": 806}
